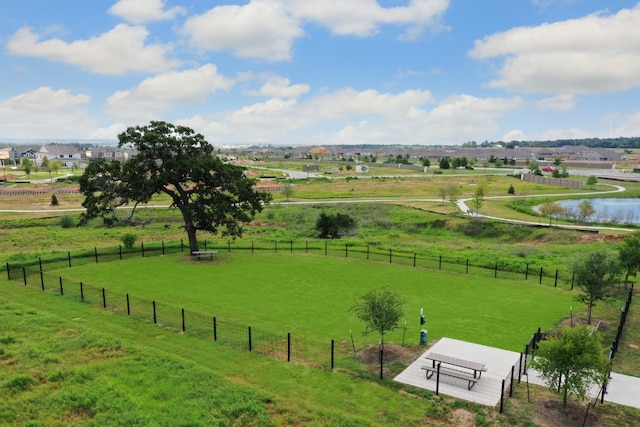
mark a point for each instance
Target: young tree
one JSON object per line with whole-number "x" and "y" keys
{"x": 595, "y": 274}
{"x": 27, "y": 165}
{"x": 176, "y": 161}
{"x": 478, "y": 199}
{"x": 592, "y": 180}
{"x": 629, "y": 256}
{"x": 46, "y": 165}
{"x": 550, "y": 209}
{"x": 453, "y": 193}
{"x": 288, "y": 190}
{"x": 444, "y": 163}
{"x": 55, "y": 166}
{"x": 586, "y": 210}
{"x": 380, "y": 309}
{"x": 572, "y": 362}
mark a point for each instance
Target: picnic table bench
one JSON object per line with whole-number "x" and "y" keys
{"x": 472, "y": 379}
{"x": 204, "y": 253}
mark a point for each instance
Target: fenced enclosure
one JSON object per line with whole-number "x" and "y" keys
{"x": 324, "y": 353}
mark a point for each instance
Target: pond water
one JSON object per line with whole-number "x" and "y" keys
{"x": 619, "y": 211}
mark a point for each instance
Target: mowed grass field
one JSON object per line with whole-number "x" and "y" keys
{"x": 310, "y": 295}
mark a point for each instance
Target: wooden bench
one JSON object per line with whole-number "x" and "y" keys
{"x": 204, "y": 253}
{"x": 471, "y": 380}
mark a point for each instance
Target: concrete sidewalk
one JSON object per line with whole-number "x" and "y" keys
{"x": 622, "y": 389}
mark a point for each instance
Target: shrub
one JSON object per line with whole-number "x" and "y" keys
{"x": 54, "y": 200}
{"x": 67, "y": 221}
{"x": 511, "y": 190}
{"x": 129, "y": 240}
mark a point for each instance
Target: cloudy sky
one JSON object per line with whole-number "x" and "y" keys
{"x": 302, "y": 72}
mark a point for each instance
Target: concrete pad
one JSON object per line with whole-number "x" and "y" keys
{"x": 486, "y": 391}
{"x": 621, "y": 389}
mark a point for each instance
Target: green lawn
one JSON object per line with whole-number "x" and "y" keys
{"x": 310, "y": 295}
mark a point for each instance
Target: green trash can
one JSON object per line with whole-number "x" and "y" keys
{"x": 423, "y": 336}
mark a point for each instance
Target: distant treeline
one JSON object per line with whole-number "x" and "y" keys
{"x": 620, "y": 142}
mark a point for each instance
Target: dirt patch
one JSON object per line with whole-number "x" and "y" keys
{"x": 463, "y": 418}
{"x": 592, "y": 238}
{"x": 602, "y": 326}
{"x": 551, "y": 413}
{"x": 392, "y": 353}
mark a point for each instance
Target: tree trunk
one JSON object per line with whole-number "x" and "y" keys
{"x": 589, "y": 311}
{"x": 190, "y": 229}
{"x": 566, "y": 392}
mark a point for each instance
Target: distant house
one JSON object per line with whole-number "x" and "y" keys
{"x": 362, "y": 168}
{"x": 68, "y": 155}
{"x": 18, "y": 153}
{"x": 106, "y": 153}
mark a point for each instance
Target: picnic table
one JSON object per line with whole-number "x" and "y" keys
{"x": 477, "y": 368}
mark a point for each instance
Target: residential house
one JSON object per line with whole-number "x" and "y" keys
{"x": 68, "y": 155}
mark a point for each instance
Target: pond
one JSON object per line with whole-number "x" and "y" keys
{"x": 619, "y": 211}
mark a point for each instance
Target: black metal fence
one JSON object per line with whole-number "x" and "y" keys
{"x": 495, "y": 270}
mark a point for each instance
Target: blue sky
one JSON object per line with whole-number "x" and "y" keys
{"x": 307, "y": 72}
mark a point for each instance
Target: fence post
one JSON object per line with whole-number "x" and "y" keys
{"x": 276, "y": 246}
{"x": 511, "y": 381}
{"x": 8, "y": 272}
{"x": 438, "y": 379}
{"x": 332, "y": 347}
{"x": 104, "y": 299}
{"x": 95, "y": 253}
{"x": 502, "y": 397}
{"x": 495, "y": 273}
{"x": 120, "y": 251}
{"x": 381, "y": 362}
{"x": 573, "y": 278}
{"x": 183, "y": 325}
{"x": 250, "y": 346}
{"x": 128, "y": 306}
{"x": 346, "y": 250}
{"x": 215, "y": 329}
{"x": 40, "y": 263}
{"x": 229, "y": 246}
{"x": 142, "y": 248}
{"x": 414, "y": 259}
{"x": 367, "y": 252}
{"x": 467, "y": 271}
{"x": 555, "y": 284}
{"x": 520, "y": 370}
{"x": 181, "y": 245}
{"x": 325, "y": 247}
{"x": 41, "y": 280}
{"x": 390, "y": 255}
{"x": 61, "y": 290}
{"x": 163, "y": 247}
{"x": 24, "y": 274}
{"x": 288, "y": 346}
{"x": 306, "y": 246}
{"x": 526, "y": 273}
{"x": 540, "y": 282}
{"x": 252, "y": 246}
{"x": 81, "y": 292}
{"x": 291, "y": 245}
{"x": 155, "y": 319}
{"x": 69, "y": 258}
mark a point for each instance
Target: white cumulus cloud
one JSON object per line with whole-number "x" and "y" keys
{"x": 118, "y": 51}
{"x": 163, "y": 91}
{"x": 596, "y": 53}
{"x": 260, "y": 29}
{"x": 143, "y": 11}
{"x": 364, "y": 17}
{"x": 45, "y": 113}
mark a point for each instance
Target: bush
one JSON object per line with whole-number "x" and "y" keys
{"x": 67, "y": 221}
{"x": 334, "y": 225}
{"x": 54, "y": 200}
{"x": 511, "y": 190}
{"x": 129, "y": 240}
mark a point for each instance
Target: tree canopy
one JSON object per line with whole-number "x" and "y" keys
{"x": 629, "y": 255}
{"x": 572, "y": 362}
{"x": 380, "y": 309}
{"x": 175, "y": 161}
{"x": 595, "y": 274}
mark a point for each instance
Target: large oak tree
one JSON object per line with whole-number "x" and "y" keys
{"x": 180, "y": 163}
